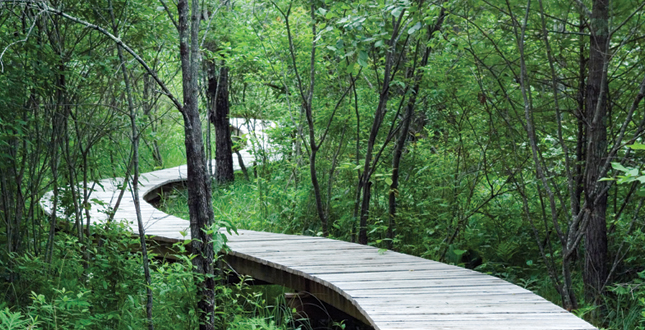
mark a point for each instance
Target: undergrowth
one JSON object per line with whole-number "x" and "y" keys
{"x": 100, "y": 285}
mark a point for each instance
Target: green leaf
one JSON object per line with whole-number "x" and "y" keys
{"x": 637, "y": 146}
{"x": 414, "y": 28}
{"x": 619, "y": 166}
{"x": 397, "y": 11}
{"x": 458, "y": 252}
{"x": 362, "y": 58}
{"x": 218, "y": 242}
{"x": 388, "y": 181}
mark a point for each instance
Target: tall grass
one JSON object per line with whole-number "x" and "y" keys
{"x": 259, "y": 204}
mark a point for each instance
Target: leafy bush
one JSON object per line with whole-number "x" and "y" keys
{"x": 100, "y": 285}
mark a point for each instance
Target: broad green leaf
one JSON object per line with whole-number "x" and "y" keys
{"x": 414, "y": 28}
{"x": 458, "y": 252}
{"x": 362, "y": 58}
{"x": 619, "y": 166}
{"x": 637, "y": 146}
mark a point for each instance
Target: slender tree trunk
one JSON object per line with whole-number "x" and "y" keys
{"x": 149, "y": 104}
{"x": 307, "y": 105}
{"x": 200, "y": 205}
{"x": 240, "y": 161}
{"x": 218, "y": 115}
{"x": 541, "y": 172}
{"x": 596, "y": 257}
{"x": 316, "y": 186}
{"x": 135, "y": 177}
{"x": 306, "y": 98}
{"x": 54, "y": 143}
{"x": 332, "y": 172}
{"x": 396, "y": 162}
{"x": 405, "y": 129}
{"x": 86, "y": 192}
{"x": 580, "y": 114}
{"x": 379, "y": 114}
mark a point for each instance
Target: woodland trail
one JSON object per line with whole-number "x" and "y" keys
{"x": 384, "y": 289}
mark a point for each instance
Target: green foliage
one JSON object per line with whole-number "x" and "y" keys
{"x": 16, "y": 321}
{"x": 627, "y": 305}
{"x": 108, "y": 291}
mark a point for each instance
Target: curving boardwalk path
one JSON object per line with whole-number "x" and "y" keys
{"x": 386, "y": 290}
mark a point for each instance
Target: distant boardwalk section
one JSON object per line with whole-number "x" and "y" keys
{"x": 386, "y": 290}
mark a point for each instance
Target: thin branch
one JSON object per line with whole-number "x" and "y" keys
{"x": 626, "y": 20}
{"x": 19, "y": 41}
{"x": 118, "y": 41}
{"x": 172, "y": 19}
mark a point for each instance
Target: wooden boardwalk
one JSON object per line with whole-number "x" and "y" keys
{"x": 386, "y": 290}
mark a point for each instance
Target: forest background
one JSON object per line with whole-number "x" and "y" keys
{"x": 503, "y": 136}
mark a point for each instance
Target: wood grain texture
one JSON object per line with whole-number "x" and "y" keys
{"x": 385, "y": 289}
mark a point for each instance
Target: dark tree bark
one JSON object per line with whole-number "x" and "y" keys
{"x": 580, "y": 114}
{"x": 218, "y": 116}
{"x": 405, "y": 128}
{"x": 59, "y": 117}
{"x": 198, "y": 184}
{"x": 240, "y": 161}
{"x": 149, "y": 104}
{"x": 314, "y": 147}
{"x": 135, "y": 177}
{"x": 596, "y": 257}
{"x": 379, "y": 115}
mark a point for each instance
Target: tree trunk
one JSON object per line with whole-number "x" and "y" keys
{"x": 405, "y": 129}
{"x": 580, "y": 114}
{"x": 135, "y": 177}
{"x": 240, "y": 161}
{"x": 198, "y": 184}
{"x": 149, "y": 105}
{"x": 396, "y": 162}
{"x": 306, "y": 98}
{"x": 218, "y": 115}
{"x": 379, "y": 114}
{"x": 596, "y": 258}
